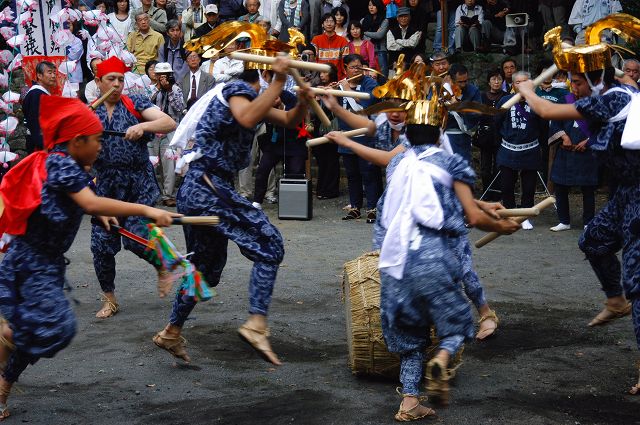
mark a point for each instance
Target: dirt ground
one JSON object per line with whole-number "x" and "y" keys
{"x": 544, "y": 366}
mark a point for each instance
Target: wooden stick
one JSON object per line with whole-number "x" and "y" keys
{"x": 493, "y": 235}
{"x": 351, "y": 133}
{"x": 212, "y": 220}
{"x": 519, "y": 212}
{"x": 339, "y": 93}
{"x": 311, "y": 66}
{"x": 317, "y": 109}
{"x": 102, "y": 98}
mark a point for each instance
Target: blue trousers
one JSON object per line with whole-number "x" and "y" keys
{"x": 33, "y": 302}
{"x": 437, "y": 42}
{"x": 470, "y": 280}
{"x": 461, "y": 144}
{"x": 258, "y": 239}
{"x": 359, "y": 173}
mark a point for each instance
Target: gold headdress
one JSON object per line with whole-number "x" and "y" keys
{"x": 594, "y": 55}
{"x": 216, "y": 40}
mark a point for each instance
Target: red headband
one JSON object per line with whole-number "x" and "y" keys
{"x": 113, "y": 64}
{"x": 62, "y": 119}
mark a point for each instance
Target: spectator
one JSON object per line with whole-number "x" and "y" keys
{"x": 330, "y": 47}
{"x": 169, "y": 9}
{"x": 451, "y": 25}
{"x": 173, "y": 50}
{"x": 169, "y": 99}
{"x": 420, "y": 19}
{"x": 439, "y": 64}
{"x": 487, "y": 138}
{"x": 574, "y": 164}
{"x": 144, "y": 43}
{"x": 315, "y": 12}
{"x": 631, "y": 67}
{"x": 227, "y": 69}
{"x": 308, "y": 54}
{"x": 403, "y": 37}
{"x": 150, "y": 72}
{"x": 294, "y": 14}
{"x": 509, "y": 67}
{"x": 342, "y": 22}
{"x": 45, "y": 83}
{"x": 253, "y": 11}
{"x": 265, "y": 24}
{"x": 195, "y": 83}
{"x": 361, "y": 47}
{"x": 519, "y": 152}
{"x": 211, "y": 16}
{"x": 469, "y": 18}
{"x": 494, "y": 23}
{"x": 91, "y": 92}
{"x": 554, "y": 13}
{"x": 157, "y": 17}
{"x": 230, "y": 10}
{"x": 460, "y": 125}
{"x": 192, "y": 18}
{"x": 328, "y": 5}
{"x": 419, "y": 58}
{"x": 586, "y": 12}
{"x": 374, "y": 27}
{"x": 120, "y": 19}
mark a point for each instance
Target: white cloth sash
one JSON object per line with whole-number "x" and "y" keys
{"x": 411, "y": 199}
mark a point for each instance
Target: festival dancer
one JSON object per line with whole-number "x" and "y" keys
{"x": 615, "y": 226}
{"x": 223, "y": 139}
{"x": 418, "y": 231}
{"x": 390, "y": 140}
{"x": 124, "y": 172}
{"x": 45, "y": 197}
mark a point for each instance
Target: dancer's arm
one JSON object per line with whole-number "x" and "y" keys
{"x": 376, "y": 156}
{"x": 294, "y": 116}
{"x": 476, "y": 217}
{"x": 545, "y": 109}
{"x": 97, "y": 205}
{"x": 155, "y": 121}
{"x": 352, "y": 120}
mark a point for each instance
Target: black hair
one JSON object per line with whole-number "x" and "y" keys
{"x": 41, "y": 67}
{"x": 115, "y": 6}
{"x": 608, "y": 79}
{"x": 327, "y": 16}
{"x": 149, "y": 65}
{"x": 333, "y": 73}
{"x": 508, "y": 60}
{"x": 369, "y": 23}
{"x": 97, "y": 3}
{"x": 422, "y": 55}
{"x": 357, "y": 25}
{"x": 458, "y": 68}
{"x": 351, "y": 58}
{"x": 342, "y": 11}
{"x": 308, "y": 47}
{"x": 250, "y": 76}
{"x": 422, "y": 134}
{"x": 494, "y": 73}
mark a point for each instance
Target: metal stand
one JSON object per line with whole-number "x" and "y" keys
{"x": 544, "y": 185}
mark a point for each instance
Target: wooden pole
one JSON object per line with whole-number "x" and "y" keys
{"x": 351, "y": 133}
{"x": 317, "y": 109}
{"x": 339, "y": 93}
{"x": 311, "y": 66}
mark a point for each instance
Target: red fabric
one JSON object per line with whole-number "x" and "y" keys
{"x": 29, "y": 69}
{"x": 128, "y": 103}
{"x": 113, "y": 64}
{"x": 61, "y": 119}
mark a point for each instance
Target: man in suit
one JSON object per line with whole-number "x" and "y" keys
{"x": 195, "y": 83}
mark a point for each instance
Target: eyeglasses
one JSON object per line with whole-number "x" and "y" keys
{"x": 353, "y": 67}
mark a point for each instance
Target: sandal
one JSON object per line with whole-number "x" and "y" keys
{"x": 635, "y": 390}
{"x": 109, "y": 308}
{"x": 487, "y": 333}
{"x": 174, "y": 345}
{"x": 438, "y": 381}
{"x": 609, "y": 314}
{"x": 352, "y": 214}
{"x": 258, "y": 339}
{"x": 165, "y": 282}
{"x": 418, "y": 411}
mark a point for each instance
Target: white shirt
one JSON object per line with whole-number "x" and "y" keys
{"x": 225, "y": 69}
{"x": 123, "y": 28}
{"x": 91, "y": 92}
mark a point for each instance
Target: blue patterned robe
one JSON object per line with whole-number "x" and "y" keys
{"x": 32, "y": 271}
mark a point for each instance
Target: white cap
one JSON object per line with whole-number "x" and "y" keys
{"x": 211, "y": 8}
{"x": 163, "y": 68}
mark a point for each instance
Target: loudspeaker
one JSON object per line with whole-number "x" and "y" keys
{"x": 514, "y": 20}
{"x": 295, "y": 199}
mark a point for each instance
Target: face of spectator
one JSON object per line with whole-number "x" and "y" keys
{"x": 175, "y": 34}
{"x": 495, "y": 83}
{"x": 161, "y": 4}
{"x": 163, "y": 79}
{"x": 143, "y": 23}
{"x": 329, "y": 25}
{"x": 102, "y": 8}
{"x": 265, "y": 25}
{"x": 324, "y": 78}
{"x": 440, "y": 66}
{"x": 232, "y": 47}
{"x": 339, "y": 18}
{"x": 310, "y": 55}
{"x": 94, "y": 65}
{"x": 404, "y": 20}
{"x": 353, "y": 68}
{"x": 508, "y": 69}
{"x": 470, "y": 3}
{"x": 151, "y": 73}
{"x": 212, "y": 18}
{"x": 462, "y": 80}
{"x": 413, "y": 3}
{"x": 252, "y": 6}
{"x": 193, "y": 61}
{"x": 146, "y": 3}
{"x": 579, "y": 86}
{"x": 48, "y": 78}
{"x": 356, "y": 33}
{"x": 518, "y": 80}
{"x": 122, "y": 5}
{"x": 195, "y": 4}
{"x": 418, "y": 59}
{"x": 632, "y": 69}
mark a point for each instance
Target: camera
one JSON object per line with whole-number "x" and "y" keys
{"x": 305, "y": 57}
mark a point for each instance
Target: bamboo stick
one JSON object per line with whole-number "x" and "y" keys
{"x": 351, "y": 133}
{"x": 339, "y": 93}
{"x": 212, "y": 220}
{"x": 311, "y": 66}
{"x": 102, "y": 98}
{"x": 518, "y": 212}
{"x": 317, "y": 109}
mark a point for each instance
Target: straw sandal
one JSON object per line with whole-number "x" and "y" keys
{"x": 258, "y": 339}
{"x": 635, "y": 390}
{"x": 174, "y": 345}
{"x": 109, "y": 308}
{"x": 165, "y": 282}
{"x": 438, "y": 381}
{"x": 412, "y": 414}
{"x": 488, "y": 332}
{"x": 609, "y": 314}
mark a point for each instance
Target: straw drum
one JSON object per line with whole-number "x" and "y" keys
{"x": 368, "y": 353}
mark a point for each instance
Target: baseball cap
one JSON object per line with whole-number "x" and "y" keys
{"x": 163, "y": 68}
{"x": 403, "y": 11}
{"x": 211, "y": 8}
